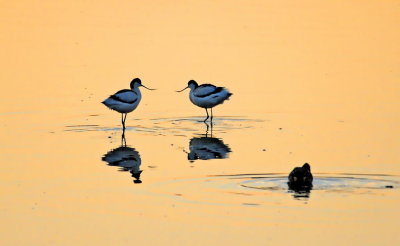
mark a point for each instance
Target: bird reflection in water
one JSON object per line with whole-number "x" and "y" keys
{"x": 206, "y": 148}
{"x": 127, "y": 158}
{"x": 300, "y": 192}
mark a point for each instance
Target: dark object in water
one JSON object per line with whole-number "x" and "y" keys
{"x": 206, "y": 148}
{"x": 300, "y": 179}
{"x": 128, "y": 159}
{"x": 136, "y": 175}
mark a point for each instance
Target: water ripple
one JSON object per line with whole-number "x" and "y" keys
{"x": 272, "y": 188}
{"x": 173, "y": 126}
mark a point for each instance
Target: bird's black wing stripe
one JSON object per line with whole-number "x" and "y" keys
{"x": 116, "y": 98}
{"x": 206, "y": 85}
{"x": 217, "y": 90}
{"x": 124, "y": 90}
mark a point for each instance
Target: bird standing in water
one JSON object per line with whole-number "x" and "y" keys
{"x": 206, "y": 96}
{"x": 127, "y": 100}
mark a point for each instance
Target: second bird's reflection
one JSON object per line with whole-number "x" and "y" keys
{"x": 127, "y": 158}
{"x": 207, "y": 147}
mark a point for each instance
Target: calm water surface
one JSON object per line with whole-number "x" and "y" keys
{"x": 307, "y": 87}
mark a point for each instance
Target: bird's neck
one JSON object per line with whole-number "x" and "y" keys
{"x": 192, "y": 87}
{"x": 136, "y": 89}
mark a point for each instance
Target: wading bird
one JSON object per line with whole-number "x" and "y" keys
{"x": 206, "y": 96}
{"x": 127, "y": 100}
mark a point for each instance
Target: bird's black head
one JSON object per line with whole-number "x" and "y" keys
{"x": 193, "y": 83}
{"x": 307, "y": 167}
{"x": 136, "y": 82}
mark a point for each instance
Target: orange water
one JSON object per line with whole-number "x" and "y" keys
{"x": 312, "y": 81}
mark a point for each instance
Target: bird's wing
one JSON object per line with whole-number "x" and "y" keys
{"x": 125, "y": 96}
{"x": 206, "y": 90}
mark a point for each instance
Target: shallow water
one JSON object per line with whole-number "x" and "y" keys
{"x": 307, "y": 87}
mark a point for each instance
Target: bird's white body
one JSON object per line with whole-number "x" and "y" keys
{"x": 124, "y": 101}
{"x": 208, "y": 96}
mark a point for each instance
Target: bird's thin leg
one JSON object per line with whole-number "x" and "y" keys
{"x": 123, "y": 140}
{"x": 125, "y": 118}
{"x": 207, "y": 115}
{"x": 123, "y": 122}
{"x": 211, "y": 116}
{"x": 207, "y": 128}
{"x": 211, "y": 127}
